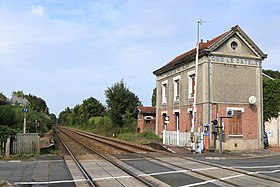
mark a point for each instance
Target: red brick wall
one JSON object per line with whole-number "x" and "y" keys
{"x": 249, "y": 119}
{"x": 146, "y": 127}
{"x": 185, "y": 120}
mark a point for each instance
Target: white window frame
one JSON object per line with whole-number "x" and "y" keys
{"x": 164, "y": 90}
{"x": 176, "y": 95}
{"x": 235, "y": 108}
{"x": 190, "y": 88}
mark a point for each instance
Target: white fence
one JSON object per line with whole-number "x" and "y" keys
{"x": 26, "y": 143}
{"x": 177, "y": 138}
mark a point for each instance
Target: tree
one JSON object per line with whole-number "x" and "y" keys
{"x": 80, "y": 114}
{"x": 18, "y": 93}
{"x": 272, "y": 73}
{"x": 66, "y": 117}
{"x": 154, "y": 97}
{"x": 271, "y": 98}
{"x": 120, "y": 100}
{"x": 37, "y": 103}
{"x": 91, "y": 107}
{"x": 3, "y": 98}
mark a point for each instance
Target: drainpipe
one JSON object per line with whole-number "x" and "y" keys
{"x": 260, "y": 137}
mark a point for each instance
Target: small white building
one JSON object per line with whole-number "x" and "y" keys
{"x": 272, "y": 128}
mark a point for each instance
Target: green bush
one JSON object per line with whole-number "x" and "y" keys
{"x": 151, "y": 136}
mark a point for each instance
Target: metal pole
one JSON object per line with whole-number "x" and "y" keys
{"x": 195, "y": 80}
{"x": 209, "y": 103}
{"x": 193, "y": 129}
{"x": 24, "y": 123}
{"x": 220, "y": 136}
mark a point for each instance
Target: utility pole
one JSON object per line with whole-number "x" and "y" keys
{"x": 194, "y": 116}
{"x": 24, "y": 110}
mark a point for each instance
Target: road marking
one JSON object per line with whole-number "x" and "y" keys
{"x": 107, "y": 178}
{"x": 274, "y": 171}
{"x": 255, "y": 167}
{"x": 50, "y": 182}
{"x": 229, "y": 177}
{"x": 200, "y": 183}
{"x": 49, "y": 161}
{"x": 203, "y": 169}
{"x": 232, "y": 177}
{"x": 163, "y": 173}
{"x": 128, "y": 159}
{"x": 17, "y": 161}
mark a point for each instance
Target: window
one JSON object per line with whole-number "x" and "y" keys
{"x": 235, "y": 123}
{"x": 176, "y": 81}
{"x": 177, "y": 119}
{"x": 191, "y": 84}
{"x": 163, "y": 121}
{"x": 234, "y": 45}
{"x": 164, "y": 92}
{"x": 177, "y": 115}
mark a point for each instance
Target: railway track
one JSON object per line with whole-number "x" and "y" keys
{"x": 130, "y": 175}
{"x": 112, "y": 142}
{"x": 217, "y": 173}
{"x": 205, "y": 171}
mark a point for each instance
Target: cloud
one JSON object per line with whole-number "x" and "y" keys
{"x": 76, "y": 49}
{"x": 37, "y": 10}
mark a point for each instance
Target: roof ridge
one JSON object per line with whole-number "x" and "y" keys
{"x": 189, "y": 55}
{"x": 201, "y": 46}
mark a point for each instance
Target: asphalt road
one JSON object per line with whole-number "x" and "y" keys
{"x": 37, "y": 172}
{"x": 266, "y": 166}
{"x": 43, "y": 169}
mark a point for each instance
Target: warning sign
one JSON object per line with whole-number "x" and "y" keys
{"x": 166, "y": 119}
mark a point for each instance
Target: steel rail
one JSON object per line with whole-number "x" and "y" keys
{"x": 79, "y": 165}
{"x": 81, "y": 133}
{"x": 99, "y": 139}
{"x": 114, "y": 163}
{"x": 234, "y": 170}
{"x": 213, "y": 165}
{"x": 190, "y": 170}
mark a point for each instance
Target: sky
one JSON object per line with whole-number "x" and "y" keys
{"x": 65, "y": 51}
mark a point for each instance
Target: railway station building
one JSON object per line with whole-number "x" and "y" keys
{"x": 146, "y": 119}
{"x": 229, "y": 80}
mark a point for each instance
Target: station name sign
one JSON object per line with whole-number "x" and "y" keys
{"x": 216, "y": 59}
{"x": 234, "y": 60}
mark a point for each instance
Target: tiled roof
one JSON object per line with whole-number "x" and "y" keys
{"x": 204, "y": 47}
{"x": 189, "y": 54}
{"x": 145, "y": 109}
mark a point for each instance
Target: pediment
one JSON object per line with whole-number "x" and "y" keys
{"x": 236, "y": 46}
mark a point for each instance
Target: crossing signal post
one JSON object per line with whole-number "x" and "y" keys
{"x": 215, "y": 131}
{"x": 230, "y": 114}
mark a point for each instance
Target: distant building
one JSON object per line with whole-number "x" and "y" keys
{"x": 19, "y": 100}
{"x": 272, "y": 127}
{"x": 229, "y": 78}
{"x": 146, "y": 119}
